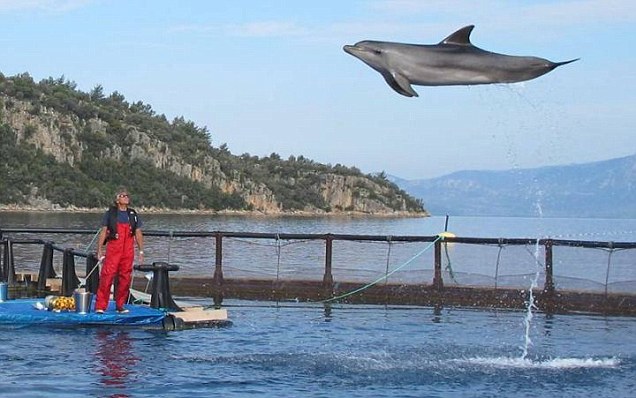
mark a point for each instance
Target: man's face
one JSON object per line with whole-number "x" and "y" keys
{"x": 123, "y": 198}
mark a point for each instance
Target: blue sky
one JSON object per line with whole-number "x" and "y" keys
{"x": 271, "y": 76}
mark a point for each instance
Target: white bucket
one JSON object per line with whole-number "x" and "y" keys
{"x": 82, "y": 301}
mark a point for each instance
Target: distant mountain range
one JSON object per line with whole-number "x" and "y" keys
{"x": 604, "y": 189}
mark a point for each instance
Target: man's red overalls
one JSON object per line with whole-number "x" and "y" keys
{"x": 120, "y": 254}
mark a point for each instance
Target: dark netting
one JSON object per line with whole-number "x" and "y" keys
{"x": 367, "y": 261}
{"x": 273, "y": 259}
{"x": 495, "y": 266}
{"x": 195, "y": 256}
{"x": 578, "y": 266}
{"x": 595, "y": 269}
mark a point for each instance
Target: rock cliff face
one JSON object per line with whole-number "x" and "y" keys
{"x": 48, "y": 131}
{"x": 62, "y": 136}
{"x": 57, "y": 134}
{"x": 357, "y": 194}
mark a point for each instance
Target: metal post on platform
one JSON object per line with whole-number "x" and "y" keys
{"x": 70, "y": 281}
{"x": 217, "y": 280}
{"x": 92, "y": 273}
{"x": 438, "y": 282}
{"x": 161, "y": 296}
{"x": 46, "y": 266}
{"x": 8, "y": 264}
{"x": 548, "y": 287}
{"x": 327, "y": 280}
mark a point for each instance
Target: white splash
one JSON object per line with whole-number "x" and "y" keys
{"x": 556, "y": 363}
{"x": 531, "y": 305}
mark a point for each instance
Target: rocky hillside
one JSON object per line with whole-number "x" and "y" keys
{"x": 62, "y": 147}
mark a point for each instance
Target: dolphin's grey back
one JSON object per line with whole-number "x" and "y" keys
{"x": 453, "y": 61}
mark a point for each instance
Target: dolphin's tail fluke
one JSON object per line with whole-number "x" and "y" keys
{"x": 564, "y": 62}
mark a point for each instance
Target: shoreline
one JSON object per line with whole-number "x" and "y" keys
{"x": 241, "y": 213}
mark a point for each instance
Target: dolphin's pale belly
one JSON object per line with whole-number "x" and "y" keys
{"x": 454, "y": 61}
{"x": 449, "y": 77}
{"x": 464, "y": 68}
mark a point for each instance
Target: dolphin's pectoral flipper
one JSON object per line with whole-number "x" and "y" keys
{"x": 460, "y": 37}
{"x": 400, "y": 84}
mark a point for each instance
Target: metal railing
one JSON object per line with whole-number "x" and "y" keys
{"x": 327, "y": 288}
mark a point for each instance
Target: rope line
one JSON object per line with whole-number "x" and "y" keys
{"x": 380, "y": 279}
{"x": 278, "y": 247}
{"x": 275, "y": 244}
{"x": 448, "y": 267}
{"x": 607, "y": 272}
{"x": 388, "y": 261}
{"x": 169, "y": 246}
{"x": 501, "y": 246}
{"x": 92, "y": 240}
{"x": 95, "y": 267}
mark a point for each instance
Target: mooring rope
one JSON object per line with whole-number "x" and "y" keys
{"x": 170, "y": 245}
{"x": 96, "y": 266}
{"x": 501, "y": 246}
{"x": 277, "y": 257}
{"x": 607, "y": 271}
{"x": 92, "y": 240}
{"x": 448, "y": 267}
{"x": 278, "y": 238}
{"x": 380, "y": 279}
{"x": 388, "y": 261}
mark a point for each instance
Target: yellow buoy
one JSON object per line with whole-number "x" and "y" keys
{"x": 446, "y": 234}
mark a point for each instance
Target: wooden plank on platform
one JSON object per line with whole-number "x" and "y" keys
{"x": 54, "y": 284}
{"x": 26, "y": 277}
{"x": 201, "y": 315}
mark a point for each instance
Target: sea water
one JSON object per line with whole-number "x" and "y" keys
{"x": 309, "y": 350}
{"x": 615, "y": 230}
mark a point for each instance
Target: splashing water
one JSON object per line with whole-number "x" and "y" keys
{"x": 537, "y": 204}
{"x": 531, "y": 304}
{"x": 555, "y": 363}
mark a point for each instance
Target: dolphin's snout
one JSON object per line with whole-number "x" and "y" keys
{"x": 349, "y": 49}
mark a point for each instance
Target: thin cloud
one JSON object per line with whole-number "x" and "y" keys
{"x": 336, "y": 31}
{"x": 553, "y": 13}
{"x": 42, "y": 5}
{"x": 267, "y": 29}
{"x": 251, "y": 29}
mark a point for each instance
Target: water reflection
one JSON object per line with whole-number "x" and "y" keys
{"x": 115, "y": 361}
{"x": 437, "y": 313}
{"x": 327, "y": 311}
{"x": 548, "y": 324}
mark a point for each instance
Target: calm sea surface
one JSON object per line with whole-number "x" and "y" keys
{"x": 307, "y": 349}
{"x": 348, "y": 351}
{"x": 484, "y": 227}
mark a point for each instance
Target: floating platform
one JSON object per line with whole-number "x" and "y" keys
{"x": 31, "y": 312}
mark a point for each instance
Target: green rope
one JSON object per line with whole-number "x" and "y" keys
{"x": 380, "y": 279}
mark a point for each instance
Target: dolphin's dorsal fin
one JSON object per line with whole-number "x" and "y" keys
{"x": 460, "y": 37}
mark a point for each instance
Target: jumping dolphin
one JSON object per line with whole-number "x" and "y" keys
{"x": 454, "y": 61}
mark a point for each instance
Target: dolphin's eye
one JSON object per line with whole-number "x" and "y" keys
{"x": 377, "y": 52}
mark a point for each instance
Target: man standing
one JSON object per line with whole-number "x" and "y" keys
{"x": 121, "y": 227}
